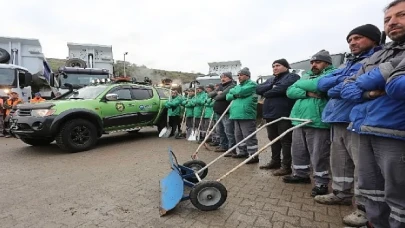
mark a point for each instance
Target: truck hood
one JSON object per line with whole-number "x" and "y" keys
{"x": 58, "y": 104}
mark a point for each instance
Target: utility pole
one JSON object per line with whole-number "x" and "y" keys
{"x": 125, "y": 74}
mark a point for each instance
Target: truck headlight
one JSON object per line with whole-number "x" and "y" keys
{"x": 42, "y": 112}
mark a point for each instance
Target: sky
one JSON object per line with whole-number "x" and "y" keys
{"x": 184, "y": 35}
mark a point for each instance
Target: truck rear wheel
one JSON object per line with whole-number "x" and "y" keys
{"x": 37, "y": 142}
{"x": 77, "y": 135}
{"x": 4, "y": 56}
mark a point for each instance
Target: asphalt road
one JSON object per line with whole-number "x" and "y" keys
{"x": 116, "y": 184}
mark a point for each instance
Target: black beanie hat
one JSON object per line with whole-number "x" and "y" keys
{"x": 368, "y": 30}
{"x": 282, "y": 62}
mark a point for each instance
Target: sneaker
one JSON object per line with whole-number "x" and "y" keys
{"x": 272, "y": 165}
{"x": 282, "y": 172}
{"x": 293, "y": 179}
{"x": 357, "y": 219}
{"x": 332, "y": 199}
{"x": 254, "y": 160}
{"x": 7, "y": 136}
{"x": 319, "y": 190}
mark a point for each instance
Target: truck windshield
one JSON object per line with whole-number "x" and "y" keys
{"x": 7, "y": 77}
{"x": 204, "y": 82}
{"x": 305, "y": 65}
{"x": 88, "y": 92}
{"x": 80, "y": 79}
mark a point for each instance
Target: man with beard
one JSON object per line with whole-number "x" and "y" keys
{"x": 363, "y": 42}
{"x": 243, "y": 112}
{"x": 226, "y": 125}
{"x": 276, "y": 105}
{"x": 378, "y": 120}
{"x": 310, "y": 144}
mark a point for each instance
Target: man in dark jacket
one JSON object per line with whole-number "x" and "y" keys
{"x": 276, "y": 105}
{"x": 378, "y": 121}
{"x": 226, "y": 126}
{"x": 363, "y": 42}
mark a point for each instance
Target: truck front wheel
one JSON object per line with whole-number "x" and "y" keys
{"x": 37, "y": 142}
{"x": 77, "y": 135}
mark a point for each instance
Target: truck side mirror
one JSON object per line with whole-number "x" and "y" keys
{"x": 22, "y": 79}
{"x": 52, "y": 80}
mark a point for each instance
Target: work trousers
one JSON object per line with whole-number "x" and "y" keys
{"x": 174, "y": 121}
{"x": 226, "y": 130}
{"x": 311, "y": 146}
{"x": 381, "y": 170}
{"x": 343, "y": 161}
{"x": 282, "y": 145}
{"x": 243, "y": 128}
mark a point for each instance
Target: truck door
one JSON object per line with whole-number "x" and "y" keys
{"x": 146, "y": 103}
{"x": 121, "y": 112}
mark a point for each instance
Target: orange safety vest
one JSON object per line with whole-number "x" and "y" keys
{"x": 12, "y": 104}
{"x": 36, "y": 100}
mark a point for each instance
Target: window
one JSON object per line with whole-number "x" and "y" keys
{"x": 123, "y": 94}
{"x": 142, "y": 94}
{"x": 163, "y": 93}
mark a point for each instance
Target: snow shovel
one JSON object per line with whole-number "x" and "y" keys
{"x": 166, "y": 131}
{"x": 183, "y": 123}
{"x": 199, "y": 125}
{"x": 194, "y": 156}
{"x": 193, "y": 136}
{"x": 208, "y": 129}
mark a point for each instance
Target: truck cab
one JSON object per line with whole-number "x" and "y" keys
{"x": 86, "y": 62}
{"x": 215, "y": 71}
{"x": 23, "y": 68}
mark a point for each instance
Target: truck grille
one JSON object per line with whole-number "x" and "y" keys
{"x": 24, "y": 112}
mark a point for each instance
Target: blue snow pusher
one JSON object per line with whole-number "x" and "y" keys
{"x": 205, "y": 195}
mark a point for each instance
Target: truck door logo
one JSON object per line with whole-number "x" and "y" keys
{"x": 120, "y": 107}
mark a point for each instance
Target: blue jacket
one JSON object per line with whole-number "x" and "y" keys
{"x": 383, "y": 115}
{"x": 276, "y": 103}
{"x": 337, "y": 110}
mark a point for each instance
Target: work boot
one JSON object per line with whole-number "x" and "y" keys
{"x": 272, "y": 165}
{"x": 332, "y": 199}
{"x": 254, "y": 160}
{"x": 319, "y": 190}
{"x": 293, "y": 179}
{"x": 282, "y": 172}
{"x": 240, "y": 156}
{"x": 356, "y": 219}
{"x": 1, "y": 135}
{"x": 230, "y": 154}
{"x": 7, "y": 136}
{"x": 213, "y": 144}
{"x": 220, "y": 150}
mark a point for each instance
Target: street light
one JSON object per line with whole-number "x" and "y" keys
{"x": 126, "y": 53}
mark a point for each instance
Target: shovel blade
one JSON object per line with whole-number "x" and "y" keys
{"x": 171, "y": 192}
{"x": 192, "y": 136}
{"x": 165, "y": 132}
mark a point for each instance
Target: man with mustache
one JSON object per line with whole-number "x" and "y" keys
{"x": 378, "y": 121}
{"x": 226, "y": 125}
{"x": 310, "y": 144}
{"x": 363, "y": 42}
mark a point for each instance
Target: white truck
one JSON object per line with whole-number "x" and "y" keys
{"x": 23, "y": 68}
{"x": 216, "y": 69}
{"x": 86, "y": 62}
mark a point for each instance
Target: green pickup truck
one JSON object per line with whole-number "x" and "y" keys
{"x": 78, "y": 119}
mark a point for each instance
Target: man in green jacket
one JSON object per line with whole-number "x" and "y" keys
{"x": 174, "y": 108}
{"x": 243, "y": 112}
{"x": 199, "y": 103}
{"x": 311, "y": 143}
{"x": 209, "y": 104}
{"x": 189, "y": 109}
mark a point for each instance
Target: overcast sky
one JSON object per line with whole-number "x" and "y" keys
{"x": 185, "y": 35}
